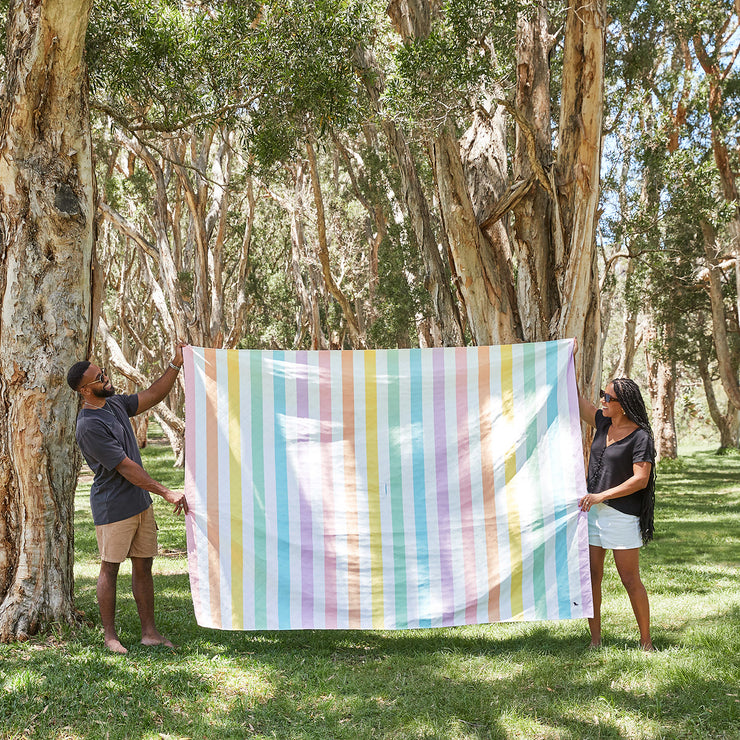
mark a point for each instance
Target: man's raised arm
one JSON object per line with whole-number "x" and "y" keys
{"x": 159, "y": 389}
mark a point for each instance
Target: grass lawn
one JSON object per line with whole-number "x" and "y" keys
{"x": 526, "y": 680}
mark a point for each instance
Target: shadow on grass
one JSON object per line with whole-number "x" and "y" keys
{"x": 439, "y": 683}
{"x": 488, "y": 681}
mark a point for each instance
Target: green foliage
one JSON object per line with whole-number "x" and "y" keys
{"x": 274, "y": 68}
{"x": 304, "y": 51}
{"x": 274, "y": 307}
{"x": 400, "y": 295}
{"x": 443, "y": 75}
{"x": 148, "y": 59}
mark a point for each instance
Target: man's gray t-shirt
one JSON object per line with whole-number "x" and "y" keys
{"x": 106, "y": 437}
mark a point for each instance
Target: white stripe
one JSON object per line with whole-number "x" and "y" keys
{"x": 289, "y": 431}
{"x": 315, "y": 463}
{"x": 339, "y": 492}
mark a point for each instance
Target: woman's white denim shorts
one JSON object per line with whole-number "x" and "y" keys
{"x": 612, "y": 529}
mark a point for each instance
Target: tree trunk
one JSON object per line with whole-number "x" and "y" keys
{"x": 629, "y": 333}
{"x": 662, "y": 384}
{"x": 484, "y": 272}
{"x": 726, "y": 423}
{"x": 309, "y": 296}
{"x": 577, "y": 197}
{"x": 536, "y": 288}
{"x": 664, "y": 421}
{"x": 176, "y": 314}
{"x": 724, "y": 157}
{"x": 47, "y": 195}
{"x": 239, "y": 318}
{"x": 728, "y": 371}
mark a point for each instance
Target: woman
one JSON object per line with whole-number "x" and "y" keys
{"x": 621, "y": 496}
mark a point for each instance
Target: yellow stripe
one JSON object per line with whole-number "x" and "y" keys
{"x": 235, "y": 492}
{"x": 512, "y": 506}
{"x": 373, "y": 487}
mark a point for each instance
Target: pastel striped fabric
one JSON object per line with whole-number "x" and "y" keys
{"x": 384, "y": 489}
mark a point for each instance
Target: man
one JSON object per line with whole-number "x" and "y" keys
{"x": 119, "y": 499}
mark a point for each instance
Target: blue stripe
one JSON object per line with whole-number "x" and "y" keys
{"x": 258, "y": 491}
{"x": 558, "y": 473}
{"x": 420, "y": 513}
{"x": 281, "y": 492}
{"x": 532, "y": 354}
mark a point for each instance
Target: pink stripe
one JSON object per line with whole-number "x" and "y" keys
{"x": 327, "y": 487}
{"x": 466, "y": 488}
{"x": 487, "y": 475}
{"x": 191, "y": 493}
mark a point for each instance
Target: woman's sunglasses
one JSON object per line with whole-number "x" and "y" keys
{"x": 608, "y": 397}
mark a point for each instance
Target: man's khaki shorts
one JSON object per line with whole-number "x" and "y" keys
{"x": 135, "y": 537}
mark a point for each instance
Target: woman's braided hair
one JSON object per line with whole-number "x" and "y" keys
{"x": 630, "y": 398}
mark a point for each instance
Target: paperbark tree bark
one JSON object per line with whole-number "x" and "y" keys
{"x": 578, "y": 168}
{"x": 531, "y": 233}
{"x": 728, "y": 370}
{"x": 662, "y": 385}
{"x": 629, "y": 332}
{"x": 47, "y": 234}
{"x": 727, "y": 423}
{"x": 484, "y": 272}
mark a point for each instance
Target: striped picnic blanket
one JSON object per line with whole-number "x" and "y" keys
{"x": 384, "y": 489}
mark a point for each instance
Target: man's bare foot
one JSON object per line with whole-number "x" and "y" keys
{"x": 114, "y": 645}
{"x": 647, "y": 646}
{"x": 594, "y": 645}
{"x": 155, "y": 639}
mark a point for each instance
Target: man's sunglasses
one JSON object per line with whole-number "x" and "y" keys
{"x": 98, "y": 379}
{"x": 608, "y": 397}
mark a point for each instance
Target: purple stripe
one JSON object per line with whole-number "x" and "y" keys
{"x": 327, "y": 485}
{"x": 307, "y": 590}
{"x": 443, "y": 505}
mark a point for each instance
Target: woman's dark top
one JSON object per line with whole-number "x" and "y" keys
{"x": 612, "y": 465}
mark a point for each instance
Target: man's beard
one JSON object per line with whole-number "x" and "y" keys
{"x": 104, "y": 392}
